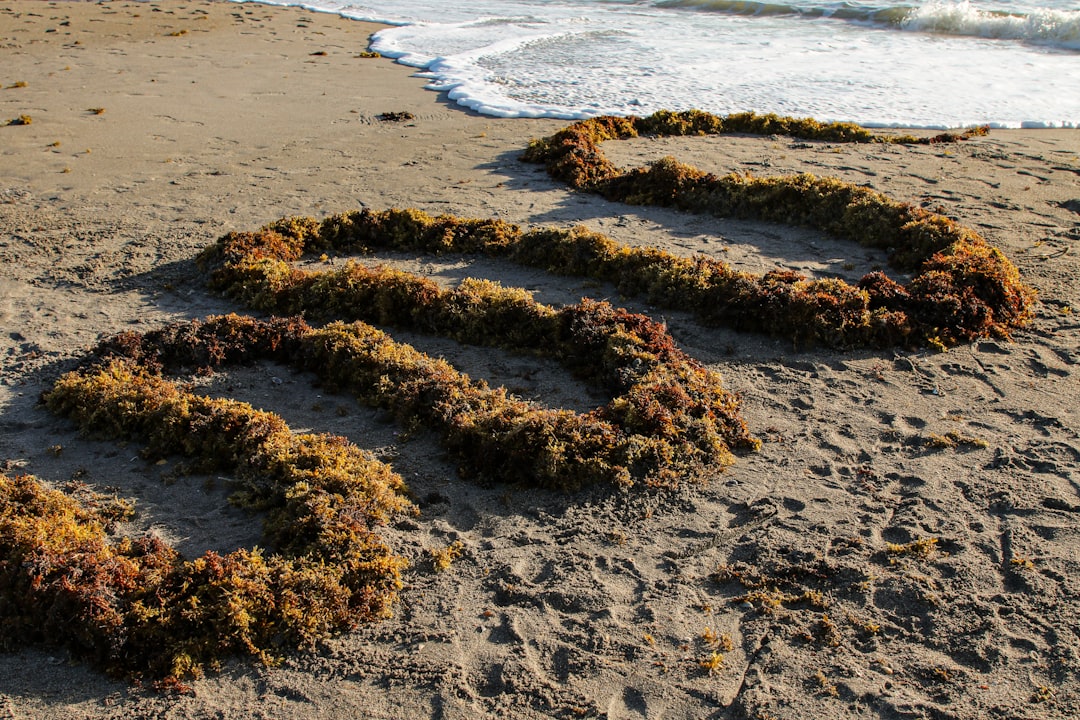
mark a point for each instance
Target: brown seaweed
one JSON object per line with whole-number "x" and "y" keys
{"x": 963, "y": 288}
{"x": 133, "y": 605}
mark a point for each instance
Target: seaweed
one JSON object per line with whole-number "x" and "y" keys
{"x": 133, "y": 605}
{"x": 573, "y": 156}
{"x": 676, "y": 411}
{"x": 396, "y": 116}
{"x": 669, "y": 415}
{"x": 137, "y": 608}
{"x": 962, "y": 288}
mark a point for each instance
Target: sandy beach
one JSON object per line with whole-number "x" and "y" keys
{"x": 772, "y": 590}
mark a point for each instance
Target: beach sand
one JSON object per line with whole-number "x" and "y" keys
{"x": 156, "y": 127}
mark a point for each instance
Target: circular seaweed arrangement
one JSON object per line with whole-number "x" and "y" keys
{"x": 962, "y": 292}
{"x": 962, "y": 287}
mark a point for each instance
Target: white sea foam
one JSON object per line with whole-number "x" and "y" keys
{"x": 1053, "y": 27}
{"x": 939, "y": 65}
{"x": 1043, "y": 26}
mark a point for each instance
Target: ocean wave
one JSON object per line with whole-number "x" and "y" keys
{"x": 1037, "y": 26}
{"x": 1054, "y": 28}
{"x": 883, "y": 15}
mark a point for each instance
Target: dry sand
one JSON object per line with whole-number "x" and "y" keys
{"x": 218, "y": 116}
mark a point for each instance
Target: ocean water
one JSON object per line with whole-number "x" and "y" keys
{"x": 916, "y": 63}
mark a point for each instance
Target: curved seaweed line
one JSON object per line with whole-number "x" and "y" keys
{"x": 134, "y": 606}
{"x": 970, "y": 291}
{"x": 491, "y": 432}
{"x": 963, "y": 288}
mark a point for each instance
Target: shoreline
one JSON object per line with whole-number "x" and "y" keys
{"x": 156, "y": 127}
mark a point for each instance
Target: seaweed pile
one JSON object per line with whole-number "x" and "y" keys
{"x": 962, "y": 287}
{"x": 135, "y": 606}
{"x": 965, "y": 289}
{"x": 672, "y": 418}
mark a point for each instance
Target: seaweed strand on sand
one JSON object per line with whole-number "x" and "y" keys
{"x": 962, "y": 288}
{"x": 133, "y": 605}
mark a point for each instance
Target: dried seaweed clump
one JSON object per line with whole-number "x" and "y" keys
{"x": 397, "y": 116}
{"x": 137, "y": 608}
{"x": 963, "y": 288}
